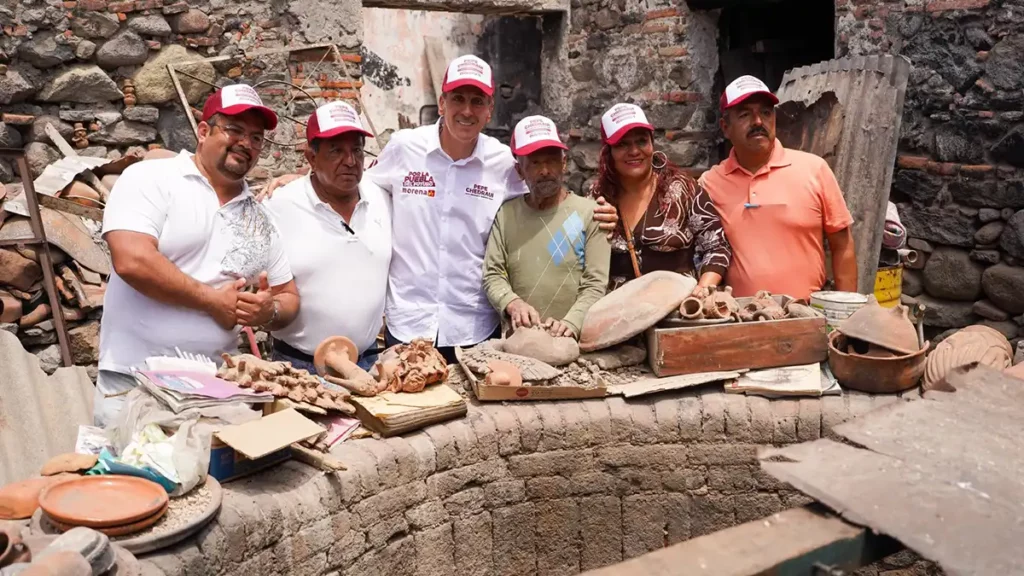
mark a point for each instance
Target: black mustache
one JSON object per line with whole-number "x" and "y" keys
{"x": 757, "y": 130}
{"x": 241, "y": 151}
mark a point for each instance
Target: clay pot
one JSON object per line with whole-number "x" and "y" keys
{"x": 720, "y": 304}
{"x": 974, "y": 344}
{"x": 878, "y": 370}
{"x": 12, "y": 549}
{"x": 82, "y": 193}
{"x": 890, "y": 328}
{"x": 692, "y": 308}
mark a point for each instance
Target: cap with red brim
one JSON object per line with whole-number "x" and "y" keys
{"x": 468, "y": 71}
{"x": 620, "y": 119}
{"x": 332, "y": 119}
{"x": 534, "y": 133}
{"x": 743, "y": 88}
{"x": 236, "y": 99}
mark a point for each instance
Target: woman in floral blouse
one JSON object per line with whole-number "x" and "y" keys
{"x": 671, "y": 220}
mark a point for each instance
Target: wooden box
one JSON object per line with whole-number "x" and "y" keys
{"x": 769, "y": 344}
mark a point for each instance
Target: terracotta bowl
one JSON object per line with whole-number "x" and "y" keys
{"x": 875, "y": 373}
{"x": 114, "y": 531}
{"x": 102, "y": 501}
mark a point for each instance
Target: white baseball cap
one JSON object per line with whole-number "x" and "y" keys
{"x": 742, "y": 88}
{"x": 622, "y": 118}
{"x": 533, "y": 133}
{"x": 468, "y": 70}
{"x": 235, "y": 99}
{"x": 332, "y": 119}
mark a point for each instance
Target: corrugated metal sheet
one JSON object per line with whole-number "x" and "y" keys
{"x": 59, "y": 174}
{"x": 39, "y": 414}
{"x": 870, "y": 91}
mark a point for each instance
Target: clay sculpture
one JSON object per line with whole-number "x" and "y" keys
{"x": 477, "y": 358}
{"x": 503, "y": 373}
{"x": 616, "y": 357}
{"x": 633, "y": 307}
{"x": 283, "y": 381}
{"x": 720, "y": 304}
{"x": 411, "y": 367}
{"x": 335, "y": 360}
{"x": 692, "y": 308}
{"x": 537, "y": 343}
{"x": 762, "y": 307}
{"x": 972, "y": 345}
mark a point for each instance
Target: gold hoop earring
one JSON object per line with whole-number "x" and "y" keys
{"x": 659, "y": 156}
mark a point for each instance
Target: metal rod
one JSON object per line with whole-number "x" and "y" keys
{"x": 359, "y": 96}
{"x": 184, "y": 100}
{"x": 45, "y": 261}
{"x": 197, "y": 79}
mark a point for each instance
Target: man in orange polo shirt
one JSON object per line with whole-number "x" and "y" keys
{"x": 776, "y": 204}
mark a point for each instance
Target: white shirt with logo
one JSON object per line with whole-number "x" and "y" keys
{"x": 442, "y": 212}
{"x": 171, "y": 201}
{"x": 341, "y": 271}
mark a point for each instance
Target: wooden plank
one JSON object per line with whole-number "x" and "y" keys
{"x": 787, "y": 543}
{"x": 943, "y": 475}
{"x": 723, "y": 347}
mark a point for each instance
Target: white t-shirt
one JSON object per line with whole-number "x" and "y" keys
{"x": 341, "y": 273}
{"x": 170, "y": 200}
{"x": 443, "y": 211}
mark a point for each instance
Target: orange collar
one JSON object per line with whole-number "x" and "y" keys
{"x": 777, "y": 160}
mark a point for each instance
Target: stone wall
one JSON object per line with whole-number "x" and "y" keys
{"x": 659, "y": 55}
{"x": 68, "y": 62}
{"x": 523, "y": 488}
{"x": 959, "y": 179}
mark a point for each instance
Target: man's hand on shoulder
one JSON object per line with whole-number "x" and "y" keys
{"x": 606, "y": 216}
{"x": 274, "y": 184}
{"x": 522, "y": 314}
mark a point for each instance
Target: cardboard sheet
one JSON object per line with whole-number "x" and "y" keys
{"x": 390, "y": 403}
{"x": 270, "y": 433}
{"x": 655, "y": 384}
{"x": 943, "y": 475}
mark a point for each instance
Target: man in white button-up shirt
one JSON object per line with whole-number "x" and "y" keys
{"x": 185, "y": 237}
{"x": 447, "y": 181}
{"x": 337, "y": 236}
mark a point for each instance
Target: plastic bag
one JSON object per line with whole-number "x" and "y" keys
{"x": 192, "y": 431}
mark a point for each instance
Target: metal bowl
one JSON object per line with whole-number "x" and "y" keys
{"x": 874, "y": 372}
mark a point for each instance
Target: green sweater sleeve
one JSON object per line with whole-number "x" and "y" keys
{"x": 496, "y": 284}
{"x": 594, "y": 283}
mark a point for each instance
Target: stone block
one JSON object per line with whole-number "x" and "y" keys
{"x": 685, "y": 479}
{"x": 621, "y": 420}
{"x": 474, "y": 544}
{"x": 666, "y": 414}
{"x": 485, "y": 430}
{"x": 551, "y": 463}
{"x": 637, "y": 481}
{"x": 711, "y": 513}
{"x": 445, "y": 455}
{"x": 467, "y": 447}
{"x": 762, "y": 423}
{"x": 425, "y": 455}
{"x": 387, "y": 463}
{"x": 384, "y": 530}
{"x": 346, "y": 549}
{"x": 576, "y": 423}
{"x": 731, "y": 479}
{"x": 737, "y": 417}
{"x": 651, "y": 521}
{"x": 515, "y": 551}
{"x": 397, "y": 559}
{"x": 427, "y": 515}
{"x": 601, "y": 531}
{"x": 690, "y": 416}
{"x": 600, "y": 421}
{"x": 360, "y": 480}
{"x": 645, "y": 426}
{"x": 593, "y": 483}
{"x": 444, "y": 484}
{"x": 504, "y": 492}
{"x": 951, "y": 274}
{"x": 389, "y": 502}
{"x": 657, "y": 456}
{"x": 1004, "y": 284}
{"x": 808, "y": 419}
{"x": 406, "y": 458}
{"x": 834, "y": 411}
{"x": 756, "y": 506}
{"x": 529, "y": 426}
{"x": 785, "y": 413}
{"x": 552, "y": 434}
{"x": 435, "y": 551}
{"x": 548, "y": 487}
{"x": 465, "y": 503}
{"x": 713, "y": 416}
{"x": 507, "y": 428}
{"x": 723, "y": 454}
{"x": 558, "y": 535}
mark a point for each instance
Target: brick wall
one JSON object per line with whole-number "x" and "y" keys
{"x": 959, "y": 180}
{"x": 528, "y": 488}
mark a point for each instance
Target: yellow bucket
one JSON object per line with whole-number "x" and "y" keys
{"x": 889, "y": 285}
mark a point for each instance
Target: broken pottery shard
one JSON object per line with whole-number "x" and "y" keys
{"x": 20, "y": 499}
{"x": 634, "y": 307}
{"x": 65, "y": 563}
{"x": 531, "y": 369}
{"x": 974, "y": 344}
{"x": 70, "y": 462}
{"x": 537, "y": 343}
{"x": 92, "y": 545}
{"x": 616, "y": 357}
{"x": 61, "y": 232}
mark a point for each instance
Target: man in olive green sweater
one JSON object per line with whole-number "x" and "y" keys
{"x": 546, "y": 261}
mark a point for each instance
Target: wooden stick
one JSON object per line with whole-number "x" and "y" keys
{"x": 324, "y": 462}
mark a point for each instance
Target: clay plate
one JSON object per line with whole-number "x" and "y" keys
{"x": 102, "y": 501}
{"x": 114, "y": 531}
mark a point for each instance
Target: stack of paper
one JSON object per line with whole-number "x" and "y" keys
{"x": 804, "y": 380}
{"x": 181, "y": 390}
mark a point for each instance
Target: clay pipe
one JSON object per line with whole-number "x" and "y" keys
{"x": 691, "y": 308}
{"x": 335, "y": 360}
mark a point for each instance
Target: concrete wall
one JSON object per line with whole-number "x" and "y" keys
{"x": 527, "y": 488}
{"x": 959, "y": 181}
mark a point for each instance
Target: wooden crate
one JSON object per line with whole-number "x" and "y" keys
{"x": 688, "y": 350}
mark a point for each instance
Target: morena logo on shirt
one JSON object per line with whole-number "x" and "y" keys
{"x": 479, "y": 191}
{"x": 418, "y": 184}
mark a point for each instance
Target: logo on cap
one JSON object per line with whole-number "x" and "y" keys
{"x": 236, "y": 99}
{"x": 742, "y": 88}
{"x": 533, "y": 133}
{"x": 622, "y": 118}
{"x": 468, "y": 70}
{"x": 332, "y": 119}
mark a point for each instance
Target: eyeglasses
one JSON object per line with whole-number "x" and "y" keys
{"x": 237, "y": 134}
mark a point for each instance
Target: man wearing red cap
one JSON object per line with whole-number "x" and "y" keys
{"x": 337, "y": 236}
{"x": 776, "y": 204}
{"x": 186, "y": 237}
{"x": 547, "y": 260}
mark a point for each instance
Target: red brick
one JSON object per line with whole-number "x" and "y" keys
{"x": 981, "y": 56}
{"x": 672, "y": 51}
{"x": 121, "y": 7}
{"x": 351, "y": 57}
{"x": 679, "y": 96}
{"x": 92, "y": 4}
{"x": 153, "y": 44}
{"x": 17, "y": 119}
{"x": 121, "y": 16}
{"x": 912, "y": 162}
{"x": 235, "y": 72}
{"x": 201, "y": 41}
{"x": 19, "y": 30}
{"x": 656, "y": 28}
{"x": 986, "y": 114}
{"x": 662, "y": 13}
{"x": 70, "y": 5}
{"x": 861, "y": 12}
{"x": 341, "y": 84}
{"x": 977, "y": 169}
{"x": 943, "y": 168}
{"x": 984, "y": 85}
{"x": 942, "y": 5}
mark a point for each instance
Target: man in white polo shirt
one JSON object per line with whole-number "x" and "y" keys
{"x": 186, "y": 238}
{"x": 337, "y": 237}
{"x": 447, "y": 181}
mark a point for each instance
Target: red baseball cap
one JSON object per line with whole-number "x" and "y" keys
{"x": 332, "y": 119}
{"x": 533, "y": 133}
{"x": 742, "y": 88}
{"x": 620, "y": 119}
{"x": 235, "y": 99}
{"x": 468, "y": 71}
